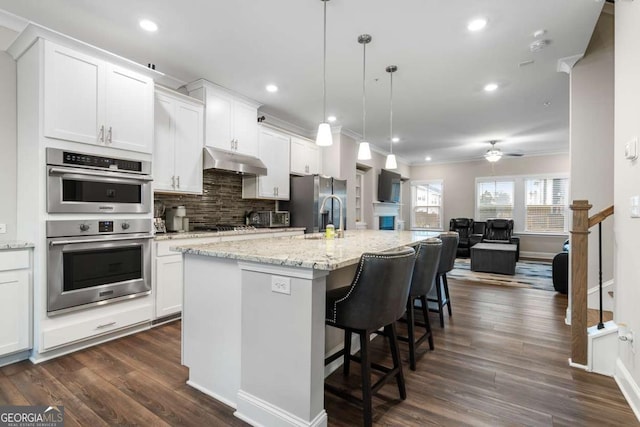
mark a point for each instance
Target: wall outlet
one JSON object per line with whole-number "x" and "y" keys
{"x": 3, "y": 228}
{"x": 634, "y": 204}
{"x": 281, "y": 285}
{"x": 631, "y": 149}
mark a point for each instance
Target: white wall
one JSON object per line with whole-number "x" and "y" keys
{"x": 627, "y": 180}
{"x": 592, "y": 139}
{"x": 8, "y": 145}
{"x": 459, "y": 188}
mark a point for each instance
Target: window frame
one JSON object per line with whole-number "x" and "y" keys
{"x": 519, "y": 200}
{"x": 414, "y": 184}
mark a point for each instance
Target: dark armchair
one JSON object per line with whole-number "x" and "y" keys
{"x": 497, "y": 230}
{"x": 560, "y": 269}
{"x": 464, "y": 228}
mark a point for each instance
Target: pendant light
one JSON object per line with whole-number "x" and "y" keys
{"x": 364, "y": 151}
{"x": 324, "y": 138}
{"x": 391, "y": 158}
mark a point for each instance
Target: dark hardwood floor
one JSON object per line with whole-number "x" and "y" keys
{"x": 500, "y": 360}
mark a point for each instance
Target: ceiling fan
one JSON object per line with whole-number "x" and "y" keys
{"x": 494, "y": 154}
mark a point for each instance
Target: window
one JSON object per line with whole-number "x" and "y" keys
{"x": 546, "y": 204}
{"x": 537, "y": 204}
{"x": 494, "y": 199}
{"x": 426, "y": 204}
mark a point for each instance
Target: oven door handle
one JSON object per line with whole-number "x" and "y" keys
{"x": 103, "y": 176}
{"x": 70, "y": 242}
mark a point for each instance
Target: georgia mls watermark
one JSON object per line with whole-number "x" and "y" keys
{"x": 31, "y": 416}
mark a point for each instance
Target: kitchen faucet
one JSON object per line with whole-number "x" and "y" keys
{"x": 340, "y": 230}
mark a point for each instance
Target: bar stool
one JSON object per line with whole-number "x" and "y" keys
{"x": 375, "y": 299}
{"x": 447, "y": 260}
{"x": 424, "y": 274}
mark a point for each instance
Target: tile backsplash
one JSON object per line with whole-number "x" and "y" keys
{"x": 220, "y": 203}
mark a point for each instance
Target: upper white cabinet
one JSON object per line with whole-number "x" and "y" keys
{"x": 15, "y": 301}
{"x": 305, "y": 157}
{"x": 274, "y": 153}
{"x": 177, "y": 154}
{"x": 92, "y": 101}
{"x": 230, "y": 120}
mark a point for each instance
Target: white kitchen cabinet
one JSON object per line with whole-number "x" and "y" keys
{"x": 15, "y": 301}
{"x": 230, "y": 120}
{"x": 168, "y": 285}
{"x": 177, "y": 154}
{"x": 91, "y": 101}
{"x": 168, "y": 278}
{"x": 305, "y": 157}
{"x": 273, "y": 148}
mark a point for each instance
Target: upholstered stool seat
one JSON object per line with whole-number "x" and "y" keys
{"x": 440, "y": 293}
{"x": 375, "y": 299}
{"x": 424, "y": 273}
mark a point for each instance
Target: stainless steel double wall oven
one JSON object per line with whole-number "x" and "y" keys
{"x": 101, "y": 259}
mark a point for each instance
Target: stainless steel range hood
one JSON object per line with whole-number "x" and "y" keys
{"x": 218, "y": 159}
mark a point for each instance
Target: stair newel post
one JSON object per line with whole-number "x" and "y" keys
{"x": 579, "y": 260}
{"x": 600, "y": 324}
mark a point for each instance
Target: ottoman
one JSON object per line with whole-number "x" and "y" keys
{"x": 494, "y": 258}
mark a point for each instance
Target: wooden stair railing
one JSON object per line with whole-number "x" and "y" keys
{"x": 579, "y": 270}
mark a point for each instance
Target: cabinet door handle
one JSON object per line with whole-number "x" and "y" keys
{"x": 236, "y": 145}
{"x": 109, "y": 135}
{"x": 277, "y": 190}
{"x": 232, "y": 141}
{"x": 173, "y": 181}
{"x": 178, "y": 179}
{"x": 101, "y": 134}
{"x": 105, "y": 325}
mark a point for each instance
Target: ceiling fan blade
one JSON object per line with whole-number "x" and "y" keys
{"x": 514, "y": 154}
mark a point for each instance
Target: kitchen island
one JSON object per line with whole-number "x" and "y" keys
{"x": 253, "y": 332}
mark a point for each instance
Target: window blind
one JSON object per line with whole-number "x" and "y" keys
{"x": 494, "y": 199}
{"x": 427, "y": 205}
{"x": 546, "y": 204}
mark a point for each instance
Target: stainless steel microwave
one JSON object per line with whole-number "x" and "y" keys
{"x": 269, "y": 219}
{"x": 86, "y": 183}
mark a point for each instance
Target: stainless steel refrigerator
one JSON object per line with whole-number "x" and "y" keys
{"x": 307, "y": 194}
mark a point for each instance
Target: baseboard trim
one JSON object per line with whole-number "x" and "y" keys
{"x": 14, "y": 358}
{"x": 537, "y": 255}
{"x": 212, "y": 394}
{"x": 628, "y": 387}
{"x": 578, "y": 366}
{"x": 605, "y": 285}
{"x": 252, "y": 408}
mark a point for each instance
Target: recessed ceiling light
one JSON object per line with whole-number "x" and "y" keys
{"x": 477, "y": 24}
{"x": 547, "y": 103}
{"x": 395, "y": 139}
{"x": 428, "y": 158}
{"x": 490, "y": 87}
{"x": 147, "y": 25}
{"x": 539, "y": 33}
{"x": 332, "y": 119}
{"x": 272, "y": 88}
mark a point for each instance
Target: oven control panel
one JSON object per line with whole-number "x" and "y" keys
{"x": 68, "y": 228}
{"x": 59, "y": 157}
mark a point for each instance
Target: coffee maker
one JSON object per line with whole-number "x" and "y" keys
{"x": 158, "y": 220}
{"x": 177, "y": 219}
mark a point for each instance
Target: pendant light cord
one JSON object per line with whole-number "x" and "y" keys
{"x": 364, "y": 108}
{"x": 324, "y": 66}
{"x": 391, "y": 115}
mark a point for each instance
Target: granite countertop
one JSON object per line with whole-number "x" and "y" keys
{"x": 14, "y": 244}
{"x": 310, "y": 250}
{"x": 197, "y": 234}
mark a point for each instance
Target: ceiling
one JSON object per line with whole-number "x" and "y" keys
{"x": 439, "y": 106}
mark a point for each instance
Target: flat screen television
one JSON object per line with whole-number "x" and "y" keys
{"x": 389, "y": 186}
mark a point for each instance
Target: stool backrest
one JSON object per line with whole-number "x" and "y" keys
{"x": 379, "y": 291}
{"x": 449, "y": 249}
{"x": 426, "y": 267}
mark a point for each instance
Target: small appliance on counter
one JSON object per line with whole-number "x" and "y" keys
{"x": 159, "y": 225}
{"x": 271, "y": 219}
{"x": 177, "y": 219}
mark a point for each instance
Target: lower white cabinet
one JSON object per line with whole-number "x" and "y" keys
{"x": 168, "y": 285}
{"x": 168, "y": 278}
{"x": 15, "y": 301}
